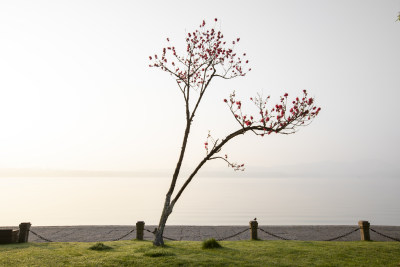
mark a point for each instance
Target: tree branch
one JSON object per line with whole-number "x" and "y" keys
{"x": 201, "y": 95}
{"x": 215, "y": 150}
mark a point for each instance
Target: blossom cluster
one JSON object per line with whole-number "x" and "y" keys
{"x": 207, "y": 55}
{"x": 283, "y": 117}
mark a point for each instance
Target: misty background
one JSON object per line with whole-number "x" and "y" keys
{"x": 77, "y": 98}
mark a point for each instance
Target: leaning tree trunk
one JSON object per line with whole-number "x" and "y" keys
{"x": 168, "y": 206}
{"x": 158, "y": 235}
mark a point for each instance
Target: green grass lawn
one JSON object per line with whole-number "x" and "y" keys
{"x": 190, "y": 253}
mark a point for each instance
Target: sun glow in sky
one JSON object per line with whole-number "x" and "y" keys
{"x": 76, "y": 92}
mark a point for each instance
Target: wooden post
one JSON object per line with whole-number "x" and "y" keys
{"x": 253, "y": 230}
{"x": 24, "y": 232}
{"x": 139, "y": 230}
{"x": 364, "y": 230}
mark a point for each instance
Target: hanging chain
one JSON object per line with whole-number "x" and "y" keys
{"x": 274, "y": 235}
{"x": 335, "y": 238}
{"x": 125, "y": 235}
{"x": 225, "y": 238}
{"x": 41, "y": 237}
{"x": 393, "y": 238}
{"x": 168, "y": 238}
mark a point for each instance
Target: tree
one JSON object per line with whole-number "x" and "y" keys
{"x": 208, "y": 56}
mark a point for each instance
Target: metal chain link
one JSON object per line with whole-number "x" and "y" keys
{"x": 168, "y": 238}
{"x": 225, "y": 238}
{"x": 352, "y": 231}
{"x": 393, "y": 238}
{"x": 274, "y": 235}
{"x": 125, "y": 235}
{"x": 41, "y": 237}
{"x": 48, "y": 240}
{"x": 149, "y": 231}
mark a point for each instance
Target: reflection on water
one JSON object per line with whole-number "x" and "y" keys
{"x": 207, "y": 201}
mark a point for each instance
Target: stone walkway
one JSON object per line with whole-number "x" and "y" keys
{"x": 198, "y": 233}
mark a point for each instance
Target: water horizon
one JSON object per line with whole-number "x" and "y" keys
{"x": 61, "y": 201}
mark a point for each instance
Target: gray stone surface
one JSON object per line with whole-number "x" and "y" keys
{"x": 197, "y": 233}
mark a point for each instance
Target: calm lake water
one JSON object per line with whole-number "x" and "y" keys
{"x": 207, "y": 201}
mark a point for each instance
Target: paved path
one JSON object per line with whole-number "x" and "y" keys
{"x": 112, "y": 232}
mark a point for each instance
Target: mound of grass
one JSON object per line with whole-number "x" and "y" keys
{"x": 210, "y": 244}
{"x": 156, "y": 254}
{"x": 100, "y": 246}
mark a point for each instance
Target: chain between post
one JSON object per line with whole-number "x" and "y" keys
{"x": 168, "y": 238}
{"x": 274, "y": 235}
{"x": 393, "y": 238}
{"x": 335, "y": 238}
{"x": 131, "y": 231}
{"x": 41, "y": 237}
{"x": 225, "y": 238}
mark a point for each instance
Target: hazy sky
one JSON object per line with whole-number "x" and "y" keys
{"x": 76, "y": 92}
